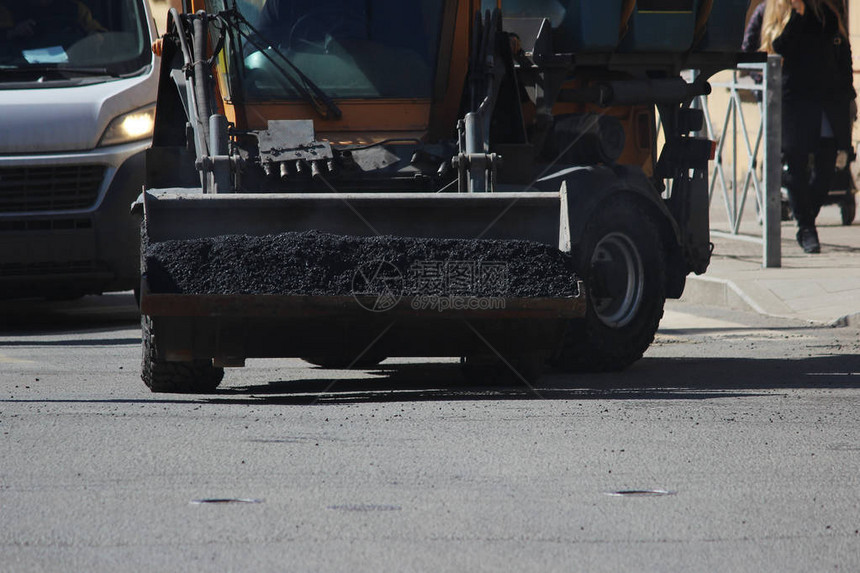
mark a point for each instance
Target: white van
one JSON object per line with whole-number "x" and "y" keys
{"x": 78, "y": 83}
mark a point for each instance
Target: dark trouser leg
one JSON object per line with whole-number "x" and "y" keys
{"x": 796, "y": 178}
{"x": 822, "y": 174}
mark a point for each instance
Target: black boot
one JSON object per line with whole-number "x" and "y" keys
{"x": 807, "y": 238}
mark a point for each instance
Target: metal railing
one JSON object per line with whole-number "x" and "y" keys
{"x": 760, "y": 178}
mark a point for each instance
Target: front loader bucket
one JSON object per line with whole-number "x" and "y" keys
{"x": 232, "y": 325}
{"x": 540, "y": 217}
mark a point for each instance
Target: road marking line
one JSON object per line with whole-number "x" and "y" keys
{"x": 833, "y": 373}
{"x": 10, "y": 360}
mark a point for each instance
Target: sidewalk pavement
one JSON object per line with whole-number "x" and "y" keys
{"x": 820, "y": 289}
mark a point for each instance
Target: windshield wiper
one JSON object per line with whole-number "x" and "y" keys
{"x": 52, "y": 68}
{"x": 322, "y": 103}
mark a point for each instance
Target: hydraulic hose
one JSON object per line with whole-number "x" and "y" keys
{"x": 201, "y": 76}
{"x": 195, "y": 107}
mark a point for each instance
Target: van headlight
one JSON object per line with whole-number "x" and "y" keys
{"x": 132, "y": 126}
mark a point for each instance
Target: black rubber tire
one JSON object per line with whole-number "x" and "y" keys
{"x": 341, "y": 362}
{"x": 622, "y": 262}
{"x": 848, "y": 209}
{"x": 197, "y": 377}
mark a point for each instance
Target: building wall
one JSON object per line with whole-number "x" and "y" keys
{"x": 159, "y": 12}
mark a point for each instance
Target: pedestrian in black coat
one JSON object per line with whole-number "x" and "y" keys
{"x": 817, "y": 93}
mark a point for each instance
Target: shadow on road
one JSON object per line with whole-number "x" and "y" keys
{"x": 650, "y": 379}
{"x": 105, "y": 320}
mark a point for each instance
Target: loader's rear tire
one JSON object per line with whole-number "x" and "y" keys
{"x": 622, "y": 262}
{"x": 196, "y": 377}
{"x": 340, "y": 362}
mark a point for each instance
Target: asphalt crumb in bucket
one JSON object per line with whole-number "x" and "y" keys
{"x": 316, "y": 263}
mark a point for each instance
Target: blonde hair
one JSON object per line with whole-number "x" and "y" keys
{"x": 778, "y": 12}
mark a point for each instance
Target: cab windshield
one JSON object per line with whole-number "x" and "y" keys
{"x": 347, "y": 48}
{"x": 56, "y": 39}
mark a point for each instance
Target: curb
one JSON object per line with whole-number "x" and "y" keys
{"x": 724, "y": 293}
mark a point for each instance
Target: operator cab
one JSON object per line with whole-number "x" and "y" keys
{"x": 350, "y": 49}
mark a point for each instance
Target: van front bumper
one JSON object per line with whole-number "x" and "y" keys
{"x": 65, "y": 223}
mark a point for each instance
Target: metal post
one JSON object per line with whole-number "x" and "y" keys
{"x": 736, "y": 212}
{"x": 772, "y": 115}
{"x": 475, "y": 149}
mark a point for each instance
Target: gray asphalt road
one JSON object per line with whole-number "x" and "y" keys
{"x": 733, "y": 446}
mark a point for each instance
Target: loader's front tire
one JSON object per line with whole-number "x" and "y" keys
{"x": 196, "y": 377}
{"x": 622, "y": 262}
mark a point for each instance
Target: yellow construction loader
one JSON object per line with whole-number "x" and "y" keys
{"x": 349, "y": 180}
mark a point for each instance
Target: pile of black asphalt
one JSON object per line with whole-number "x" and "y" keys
{"x": 315, "y": 263}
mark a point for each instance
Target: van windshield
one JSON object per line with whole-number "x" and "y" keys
{"x": 348, "y": 48}
{"x": 56, "y": 39}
